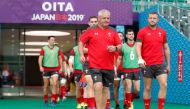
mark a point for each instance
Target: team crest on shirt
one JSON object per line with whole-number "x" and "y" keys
{"x": 160, "y": 34}
{"x": 109, "y": 34}
{"x": 96, "y": 33}
{"x": 148, "y": 34}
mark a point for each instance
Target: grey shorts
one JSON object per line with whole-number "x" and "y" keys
{"x": 104, "y": 76}
{"x": 77, "y": 77}
{"x": 86, "y": 69}
{"x": 49, "y": 74}
{"x": 119, "y": 74}
{"x": 132, "y": 75}
{"x": 153, "y": 71}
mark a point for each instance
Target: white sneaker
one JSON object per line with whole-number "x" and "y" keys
{"x": 131, "y": 105}
{"x": 64, "y": 98}
{"x": 79, "y": 106}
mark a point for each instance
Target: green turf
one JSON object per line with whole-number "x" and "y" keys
{"x": 37, "y": 103}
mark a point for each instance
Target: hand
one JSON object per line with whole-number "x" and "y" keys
{"x": 41, "y": 69}
{"x": 111, "y": 48}
{"x": 65, "y": 73}
{"x": 142, "y": 63}
{"x": 115, "y": 71}
{"x": 168, "y": 69}
{"x": 68, "y": 72}
{"x": 82, "y": 59}
{"x": 71, "y": 70}
{"x": 60, "y": 70}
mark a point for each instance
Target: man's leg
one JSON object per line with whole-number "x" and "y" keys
{"x": 45, "y": 90}
{"x": 85, "y": 96}
{"x": 107, "y": 80}
{"x": 128, "y": 94}
{"x": 136, "y": 84}
{"x": 54, "y": 88}
{"x": 90, "y": 92}
{"x": 57, "y": 90}
{"x": 125, "y": 91}
{"x": 98, "y": 88}
{"x": 105, "y": 93}
{"x": 162, "y": 80}
{"x": 147, "y": 92}
{"x": 79, "y": 97}
{"x": 116, "y": 90}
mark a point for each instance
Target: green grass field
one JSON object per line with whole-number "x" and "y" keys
{"x": 37, "y": 103}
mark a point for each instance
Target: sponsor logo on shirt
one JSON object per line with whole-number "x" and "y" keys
{"x": 109, "y": 34}
{"x": 148, "y": 34}
{"x": 160, "y": 34}
{"x": 96, "y": 33}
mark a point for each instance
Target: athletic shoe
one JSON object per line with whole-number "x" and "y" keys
{"x": 83, "y": 105}
{"x": 137, "y": 97}
{"x": 53, "y": 104}
{"x": 117, "y": 106}
{"x": 58, "y": 99}
{"x": 46, "y": 104}
{"x": 64, "y": 98}
{"x": 125, "y": 106}
{"x": 79, "y": 106}
{"x": 86, "y": 107}
{"x": 131, "y": 105}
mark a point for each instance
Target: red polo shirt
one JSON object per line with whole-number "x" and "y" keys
{"x": 98, "y": 40}
{"x": 152, "y": 45}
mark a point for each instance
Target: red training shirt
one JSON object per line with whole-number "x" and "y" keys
{"x": 152, "y": 45}
{"x": 98, "y": 40}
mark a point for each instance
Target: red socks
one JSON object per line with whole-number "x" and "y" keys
{"x": 45, "y": 98}
{"x": 108, "y": 103}
{"x": 91, "y": 102}
{"x": 116, "y": 101}
{"x": 134, "y": 95}
{"x": 147, "y": 103}
{"x": 79, "y": 100}
{"x": 53, "y": 98}
{"x": 63, "y": 91}
{"x": 161, "y": 102}
{"x": 128, "y": 99}
{"x": 85, "y": 100}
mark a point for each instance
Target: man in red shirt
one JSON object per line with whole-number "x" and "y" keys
{"x": 49, "y": 61}
{"x": 151, "y": 47}
{"x": 89, "y": 97}
{"x": 103, "y": 42}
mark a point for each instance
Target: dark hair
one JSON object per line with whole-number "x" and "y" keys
{"x": 50, "y": 37}
{"x": 129, "y": 30}
{"x": 120, "y": 32}
{"x": 153, "y": 13}
{"x": 92, "y": 17}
